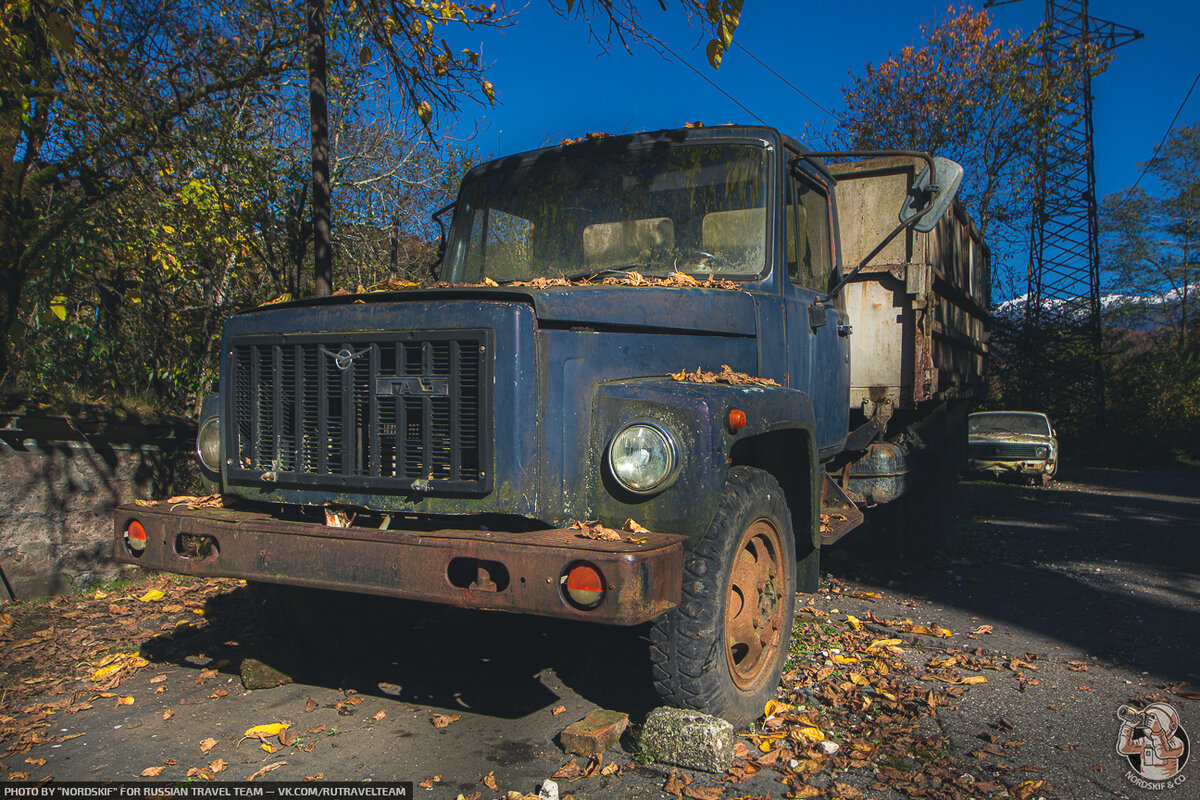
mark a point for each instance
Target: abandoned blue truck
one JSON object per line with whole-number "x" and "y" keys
{"x": 659, "y": 373}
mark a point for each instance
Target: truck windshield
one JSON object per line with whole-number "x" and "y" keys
{"x": 695, "y": 208}
{"x": 1024, "y": 424}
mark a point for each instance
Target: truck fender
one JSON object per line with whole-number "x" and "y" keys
{"x": 779, "y": 436}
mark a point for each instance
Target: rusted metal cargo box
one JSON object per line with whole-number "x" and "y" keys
{"x": 919, "y": 309}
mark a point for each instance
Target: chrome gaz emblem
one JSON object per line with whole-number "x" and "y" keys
{"x": 345, "y": 357}
{"x": 412, "y": 386}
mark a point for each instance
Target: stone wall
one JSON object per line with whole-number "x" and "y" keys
{"x": 60, "y": 480}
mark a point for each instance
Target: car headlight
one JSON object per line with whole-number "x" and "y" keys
{"x": 208, "y": 444}
{"x": 1043, "y": 452}
{"x": 642, "y": 457}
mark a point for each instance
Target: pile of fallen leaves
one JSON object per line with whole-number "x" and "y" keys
{"x": 726, "y": 375}
{"x": 188, "y": 501}
{"x": 62, "y": 656}
{"x": 597, "y": 532}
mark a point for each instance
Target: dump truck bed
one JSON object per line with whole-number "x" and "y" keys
{"x": 919, "y": 308}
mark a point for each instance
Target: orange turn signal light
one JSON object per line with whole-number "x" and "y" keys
{"x": 737, "y": 420}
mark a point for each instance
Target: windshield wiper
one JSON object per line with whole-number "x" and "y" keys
{"x": 596, "y": 273}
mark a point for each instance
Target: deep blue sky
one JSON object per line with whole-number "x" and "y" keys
{"x": 552, "y": 82}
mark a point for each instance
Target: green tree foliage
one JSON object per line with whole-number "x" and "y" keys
{"x": 1152, "y": 244}
{"x": 91, "y": 95}
{"x": 1152, "y": 256}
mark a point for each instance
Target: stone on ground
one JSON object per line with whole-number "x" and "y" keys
{"x": 595, "y": 733}
{"x": 688, "y": 739}
{"x": 257, "y": 675}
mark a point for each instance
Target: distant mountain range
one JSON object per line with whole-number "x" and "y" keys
{"x": 1118, "y": 310}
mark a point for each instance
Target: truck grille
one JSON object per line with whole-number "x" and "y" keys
{"x": 1004, "y": 452}
{"x": 378, "y": 411}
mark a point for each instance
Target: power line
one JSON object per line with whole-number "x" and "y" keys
{"x": 1168, "y": 133}
{"x": 794, "y": 88}
{"x": 709, "y": 80}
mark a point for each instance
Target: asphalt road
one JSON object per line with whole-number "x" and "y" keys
{"x": 1091, "y": 584}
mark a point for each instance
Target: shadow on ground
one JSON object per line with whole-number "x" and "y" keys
{"x": 486, "y": 663}
{"x": 1104, "y": 560}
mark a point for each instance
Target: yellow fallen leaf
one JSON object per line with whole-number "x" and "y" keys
{"x": 264, "y": 731}
{"x": 838, "y": 658}
{"x": 774, "y": 707}
{"x": 974, "y": 679}
{"x": 883, "y": 643}
{"x": 266, "y": 747}
{"x": 854, "y": 622}
{"x": 170, "y": 712}
{"x": 810, "y": 733}
{"x": 378, "y": 715}
{"x": 558, "y": 710}
{"x": 99, "y": 595}
{"x": 127, "y": 700}
{"x": 858, "y": 679}
{"x": 153, "y": 594}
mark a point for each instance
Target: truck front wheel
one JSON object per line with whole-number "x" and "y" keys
{"x": 723, "y": 648}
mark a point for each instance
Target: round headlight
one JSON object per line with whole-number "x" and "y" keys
{"x": 642, "y": 457}
{"x": 208, "y": 444}
{"x": 1043, "y": 452}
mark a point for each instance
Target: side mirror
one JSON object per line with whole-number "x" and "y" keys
{"x": 927, "y": 202}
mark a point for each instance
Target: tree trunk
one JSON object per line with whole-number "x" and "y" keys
{"x": 319, "y": 123}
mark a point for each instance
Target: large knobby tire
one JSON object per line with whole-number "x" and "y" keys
{"x": 723, "y": 648}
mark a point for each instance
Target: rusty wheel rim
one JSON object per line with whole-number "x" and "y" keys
{"x": 754, "y": 605}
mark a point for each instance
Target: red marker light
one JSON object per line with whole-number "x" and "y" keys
{"x": 585, "y": 586}
{"x": 135, "y": 537}
{"x": 737, "y": 420}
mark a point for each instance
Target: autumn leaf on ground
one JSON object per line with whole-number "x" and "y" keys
{"x": 152, "y": 595}
{"x": 982, "y": 629}
{"x": 158, "y": 679}
{"x": 152, "y": 772}
{"x": 310, "y": 706}
{"x": 378, "y": 715}
{"x": 218, "y": 694}
{"x": 18, "y": 776}
{"x": 569, "y": 770}
{"x": 558, "y": 710}
{"x": 442, "y": 720}
{"x": 676, "y": 783}
{"x": 208, "y": 744}
{"x": 311, "y": 778}
{"x": 266, "y": 769}
{"x": 37, "y": 762}
{"x": 217, "y": 766}
{"x": 170, "y": 712}
{"x": 127, "y": 700}
{"x": 287, "y": 737}
{"x": 203, "y": 774}
{"x": 265, "y": 731}
{"x": 489, "y": 781}
{"x": 429, "y": 782}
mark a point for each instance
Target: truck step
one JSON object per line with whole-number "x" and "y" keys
{"x": 839, "y": 515}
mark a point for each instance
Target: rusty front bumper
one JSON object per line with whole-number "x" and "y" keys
{"x": 520, "y": 572}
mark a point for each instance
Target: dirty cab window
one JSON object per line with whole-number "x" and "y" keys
{"x": 1020, "y": 424}
{"x": 697, "y": 208}
{"x": 808, "y": 245}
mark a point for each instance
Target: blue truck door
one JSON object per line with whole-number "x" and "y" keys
{"x": 817, "y": 347}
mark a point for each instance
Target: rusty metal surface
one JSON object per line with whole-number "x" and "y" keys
{"x": 839, "y": 515}
{"x": 517, "y": 572}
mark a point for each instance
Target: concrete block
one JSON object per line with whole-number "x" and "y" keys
{"x": 595, "y": 733}
{"x": 688, "y": 739}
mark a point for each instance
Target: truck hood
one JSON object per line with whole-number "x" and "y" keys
{"x": 717, "y": 311}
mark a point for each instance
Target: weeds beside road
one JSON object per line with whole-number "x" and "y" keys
{"x": 995, "y": 674}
